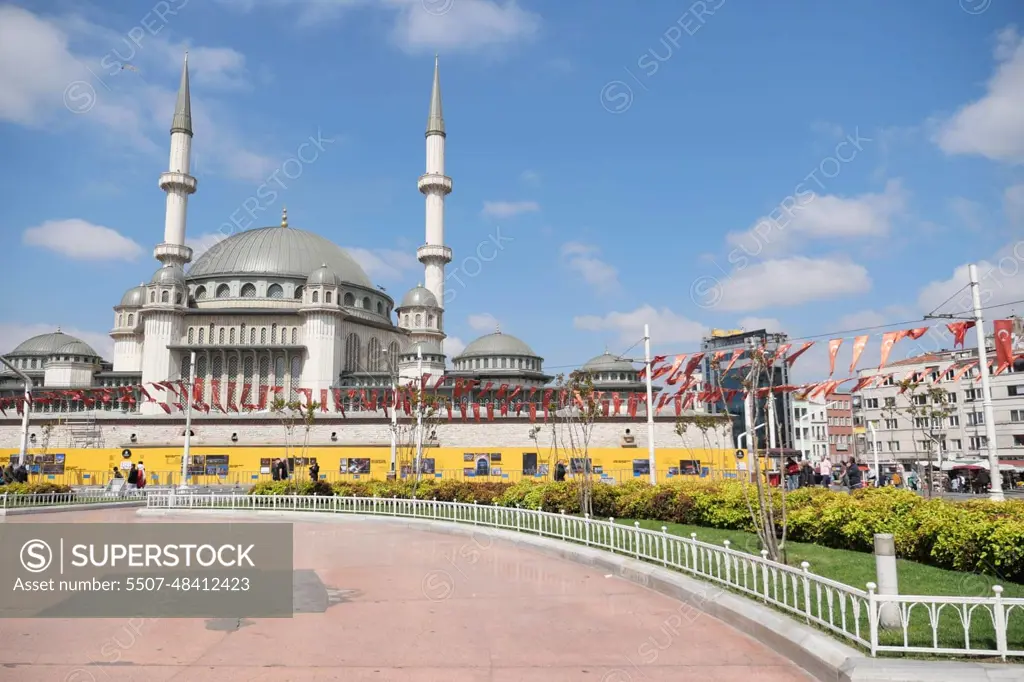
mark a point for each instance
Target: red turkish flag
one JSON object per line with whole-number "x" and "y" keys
{"x": 858, "y": 348}
{"x": 833, "y": 350}
{"x": 959, "y": 331}
{"x": 736, "y": 356}
{"x": 803, "y": 349}
{"x": 889, "y": 339}
{"x": 1004, "y": 343}
{"x": 673, "y": 372}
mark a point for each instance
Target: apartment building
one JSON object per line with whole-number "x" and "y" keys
{"x": 839, "y": 416}
{"x": 943, "y": 414}
{"x": 810, "y": 428}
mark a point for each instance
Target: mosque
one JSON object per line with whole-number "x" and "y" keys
{"x": 281, "y": 310}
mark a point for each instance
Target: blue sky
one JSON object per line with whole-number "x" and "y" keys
{"x": 634, "y": 162}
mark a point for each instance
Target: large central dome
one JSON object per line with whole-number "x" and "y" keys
{"x": 277, "y": 251}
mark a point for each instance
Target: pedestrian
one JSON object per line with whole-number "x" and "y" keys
{"x": 21, "y": 474}
{"x": 560, "y": 471}
{"x": 792, "y": 474}
{"x": 141, "y": 475}
{"x": 282, "y": 469}
{"x": 314, "y": 471}
{"x": 133, "y": 479}
{"x": 825, "y": 469}
{"x": 117, "y": 473}
{"x": 854, "y": 476}
{"x": 275, "y": 470}
{"x": 981, "y": 482}
{"x": 8, "y": 474}
{"x": 806, "y": 475}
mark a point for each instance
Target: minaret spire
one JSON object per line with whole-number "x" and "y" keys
{"x": 182, "y": 121}
{"x": 177, "y": 182}
{"x": 435, "y": 119}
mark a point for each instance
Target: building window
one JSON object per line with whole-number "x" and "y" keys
{"x": 978, "y": 442}
{"x": 252, "y": 336}
{"x": 152, "y": 297}
{"x": 890, "y": 424}
{"x": 316, "y": 297}
{"x": 202, "y": 331}
{"x": 418, "y": 320}
{"x": 972, "y": 394}
{"x": 296, "y": 377}
{"x": 295, "y": 336}
{"x": 223, "y": 291}
{"x": 352, "y": 349}
{"x": 975, "y": 418}
{"x": 373, "y": 353}
{"x": 894, "y": 446}
{"x": 951, "y": 398}
{"x": 231, "y": 336}
{"x": 1017, "y": 415}
{"x": 954, "y": 420}
{"x": 131, "y": 320}
{"x": 249, "y": 290}
{"x": 298, "y": 292}
{"x": 191, "y": 334}
{"x": 956, "y": 444}
{"x": 380, "y": 308}
{"x": 871, "y": 403}
{"x": 273, "y": 333}
{"x": 165, "y": 297}
{"x": 327, "y": 297}
{"x": 890, "y": 402}
{"x": 350, "y": 300}
{"x": 920, "y": 400}
{"x": 263, "y": 336}
{"x": 366, "y": 302}
{"x": 275, "y": 291}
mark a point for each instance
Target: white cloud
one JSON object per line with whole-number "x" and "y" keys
{"x": 507, "y": 209}
{"x": 384, "y": 264}
{"x": 1001, "y": 282}
{"x": 452, "y": 346}
{"x": 81, "y": 240}
{"x": 423, "y": 25}
{"x": 993, "y": 126}
{"x": 530, "y": 178}
{"x": 203, "y": 243}
{"x": 813, "y": 216}
{"x": 1013, "y": 205}
{"x": 770, "y": 324}
{"x": 790, "y": 282}
{"x": 76, "y": 81}
{"x": 13, "y": 334}
{"x": 583, "y": 260}
{"x": 970, "y": 213}
{"x": 666, "y": 326}
{"x": 484, "y": 322}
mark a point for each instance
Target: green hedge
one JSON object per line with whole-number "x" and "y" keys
{"x": 976, "y": 536}
{"x": 34, "y": 488}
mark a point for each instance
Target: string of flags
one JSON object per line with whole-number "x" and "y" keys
{"x": 682, "y": 390}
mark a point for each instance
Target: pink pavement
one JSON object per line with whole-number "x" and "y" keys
{"x": 413, "y": 606}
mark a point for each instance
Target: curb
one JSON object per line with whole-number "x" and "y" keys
{"x": 55, "y": 509}
{"x": 817, "y": 653}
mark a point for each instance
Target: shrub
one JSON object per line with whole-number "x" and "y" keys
{"x": 34, "y": 488}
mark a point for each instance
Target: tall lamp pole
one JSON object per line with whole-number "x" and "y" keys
{"x": 186, "y": 452}
{"x": 394, "y": 408}
{"x": 24, "y": 410}
{"x": 650, "y": 406}
{"x": 419, "y": 412}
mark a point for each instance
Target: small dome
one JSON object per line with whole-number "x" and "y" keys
{"x": 419, "y": 297}
{"x": 323, "y": 276}
{"x": 169, "y": 274}
{"x": 76, "y": 348}
{"x": 47, "y": 344}
{"x": 134, "y": 297}
{"x": 497, "y": 344}
{"x": 606, "y": 362}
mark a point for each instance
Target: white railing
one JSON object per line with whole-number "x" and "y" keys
{"x": 22, "y": 500}
{"x": 949, "y": 625}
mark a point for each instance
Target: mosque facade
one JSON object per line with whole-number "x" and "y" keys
{"x": 283, "y": 312}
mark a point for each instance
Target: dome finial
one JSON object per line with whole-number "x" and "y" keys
{"x": 497, "y": 328}
{"x": 58, "y": 330}
{"x": 284, "y": 216}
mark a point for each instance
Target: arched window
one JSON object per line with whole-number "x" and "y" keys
{"x": 252, "y": 336}
{"x": 405, "y": 320}
{"x": 295, "y": 336}
{"x": 152, "y": 297}
{"x": 223, "y": 291}
{"x": 191, "y": 334}
{"x": 279, "y": 372}
{"x": 316, "y": 297}
{"x": 264, "y": 373}
{"x": 120, "y": 319}
{"x": 373, "y": 355}
{"x": 419, "y": 320}
{"x": 248, "y": 365}
{"x": 263, "y": 335}
{"x": 393, "y": 350}
{"x": 296, "y": 376}
{"x": 275, "y": 291}
{"x": 186, "y": 366}
{"x": 232, "y": 378}
{"x": 298, "y": 292}
{"x": 165, "y": 297}
{"x": 273, "y": 333}
{"x": 503, "y": 365}
{"x": 327, "y": 297}
{"x": 350, "y": 300}
{"x": 131, "y": 320}
{"x": 430, "y": 321}
{"x": 248, "y": 290}
{"x": 201, "y": 369}
{"x": 231, "y": 336}
{"x": 201, "y": 334}
{"x": 352, "y": 349}
{"x": 380, "y": 308}
{"x": 177, "y": 298}
{"x": 366, "y": 302}
{"x": 200, "y": 293}
{"x": 216, "y": 370}
{"x": 220, "y": 336}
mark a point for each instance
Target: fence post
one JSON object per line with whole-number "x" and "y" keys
{"x": 586, "y": 529}
{"x": 664, "y": 545}
{"x": 611, "y": 531}
{"x": 887, "y": 580}
{"x": 636, "y": 538}
{"x": 764, "y": 574}
{"x": 561, "y": 523}
{"x": 807, "y": 588}
{"x": 728, "y": 560}
{"x": 5, "y": 501}
{"x": 474, "y": 512}
{"x": 873, "y": 618}
{"x": 999, "y": 620}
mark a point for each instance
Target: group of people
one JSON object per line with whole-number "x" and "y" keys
{"x": 823, "y": 474}
{"x": 279, "y": 470}
{"x": 15, "y": 474}
{"x": 136, "y": 478}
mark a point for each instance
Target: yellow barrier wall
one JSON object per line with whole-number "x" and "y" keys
{"x": 94, "y": 466}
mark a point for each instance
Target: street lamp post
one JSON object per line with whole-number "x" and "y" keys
{"x": 394, "y": 408}
{"x": 874, "y": 449}
{"x": 186, "y": 452}
{"x": 24, "y": 410}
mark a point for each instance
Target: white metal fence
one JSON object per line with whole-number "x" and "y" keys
{"x": 23, "y": 500}
{"x": 965, "y": 625}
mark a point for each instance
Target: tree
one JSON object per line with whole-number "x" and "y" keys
{"x": 575, "y": 411}
{"x": 412, "y": 435}
{"x": 704, "y": 424}
{"x": 928, "y": 411}
{"x": 292, "y": 414}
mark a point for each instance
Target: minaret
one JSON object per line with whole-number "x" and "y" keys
{"x": 177, "y": 182}
{"x": 435, "y": 186}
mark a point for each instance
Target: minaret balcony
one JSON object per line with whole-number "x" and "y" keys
{"x": 434, "y": 252}
{"x": 172, "y": 253}
{"x": 181, "y": 181}
{"x": 434, "y": 182}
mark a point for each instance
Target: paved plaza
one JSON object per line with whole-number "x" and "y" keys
{"x": 380, "y": 601}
